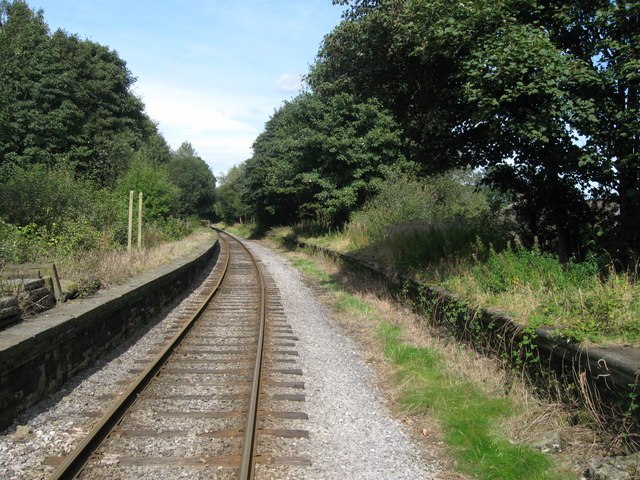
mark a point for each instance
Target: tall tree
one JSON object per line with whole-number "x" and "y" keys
{"x": 505, "y": 85}
{"x": 605, "y": 36}
{"x": 196, "y": 182}
{"x": 320, "y": 158}
{"x": 229, "y": 204}
{"x": 65, "y": 100}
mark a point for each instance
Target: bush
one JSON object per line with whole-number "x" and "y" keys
{"x": 47, "y": 196}
{"x": 166, "y": 229}
{"x": 160, "y": 195}
{"x": 413, "y": 223}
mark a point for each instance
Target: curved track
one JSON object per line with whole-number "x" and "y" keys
{"x": 205, "y": 406}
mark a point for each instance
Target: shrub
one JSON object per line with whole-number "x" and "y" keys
{"x": 160, "y": 195}
{"x": 405, "y": 202}
{"x": 424, "y": 222}
{"x": 162, "y": 230}
{"x": 47, "y": 196}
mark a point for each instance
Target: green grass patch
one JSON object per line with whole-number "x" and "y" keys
{"x": 467, "y": 415}
{"x": 348, "y": 302}
{"x": 311, "y": 268}
{"x": 246, "y": 230}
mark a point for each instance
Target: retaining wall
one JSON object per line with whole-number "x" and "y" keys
{"x": 604, "y": 379}
{"x": 38, "y": 355}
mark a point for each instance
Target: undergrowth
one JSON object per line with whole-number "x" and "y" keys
{"x": 469, "y": 416}
{"x": 107, "y": 268}
{"x": 580, "y": 300}
{"x": 585, "y": 301}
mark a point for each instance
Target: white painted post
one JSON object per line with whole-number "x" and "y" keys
{"x": 140, "y": 221}
{"x": 130, "y": 229}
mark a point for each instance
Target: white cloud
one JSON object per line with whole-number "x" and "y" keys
{"x": 208, "y": 122}
{"x": 289, "y": 83}
{"x": 223, "y": 151}
{"x": 188, "y": 109}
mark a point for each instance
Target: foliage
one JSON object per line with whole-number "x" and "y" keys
{"x": 544, "y": 94}
{"x": 405, "y": 200}
{"x": 160, "y": 196}
{"x": 517, "y": 267}
{"x": 320, "y": 157}
{"x": 418, "y": 222}
{"x": 161, "y": 230}
{"x": 32, "y": 242}
{"x": 44, "y": 196}
{"x": 74, "y": 140}
{"x": 229, "y": 206}
{"x": 65, "y": 100}
{"x": 195, "y": 180}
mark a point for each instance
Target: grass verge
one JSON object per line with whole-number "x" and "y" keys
{"x": 467, "y": 415}
{"x": 246, "y": 230}
{"x": 474, "y": 415}
{"x": 587, "y": 301}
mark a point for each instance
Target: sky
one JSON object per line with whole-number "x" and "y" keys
{"x": 210, "y": 72}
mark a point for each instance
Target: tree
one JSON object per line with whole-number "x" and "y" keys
{"x": 65, "y": 100}
{"x": 504, "y": 85}
{"x": 161, "y": 197}
{"x": 320, "y": 157}
{"x": 605, "y": 36}
{"x": 195, "y": 180}
{"x": 229, "y": 204}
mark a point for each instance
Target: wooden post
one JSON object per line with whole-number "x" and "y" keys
{"x": 140, "y": 221}
{"x": 130, "y": 230}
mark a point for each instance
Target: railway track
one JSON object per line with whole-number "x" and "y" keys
{"x": 221, "y": 399}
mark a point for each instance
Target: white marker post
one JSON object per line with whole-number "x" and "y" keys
{"x": 140, "y": 221}
{"x": 130, "y": 230}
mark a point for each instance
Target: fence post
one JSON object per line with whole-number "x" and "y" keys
{"x": 140, "y": 221}
{"x": 129, "y": 231}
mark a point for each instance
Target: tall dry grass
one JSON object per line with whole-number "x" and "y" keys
{"x": 113, "y": 267}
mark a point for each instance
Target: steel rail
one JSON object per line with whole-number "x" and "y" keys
{"x": 75, "y": 462}
{"x": 247, "y": 463}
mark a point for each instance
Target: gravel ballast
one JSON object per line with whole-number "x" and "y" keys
{"x": 352, "y": 434}
{"x": 351, "y": 431}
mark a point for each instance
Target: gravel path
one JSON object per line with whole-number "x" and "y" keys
{"x": 352, "y": 434}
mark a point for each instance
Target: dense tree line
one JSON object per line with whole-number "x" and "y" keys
{"x": 542, "y": 95}
{"x": 74, "y": 138}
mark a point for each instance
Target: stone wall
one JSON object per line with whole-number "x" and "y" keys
{"x": 606, "y": 380}
{"x": 39, "y": 354}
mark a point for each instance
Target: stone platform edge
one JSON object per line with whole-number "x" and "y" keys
{"x": 605, "y": 377}
{"x": 37, "y": 356}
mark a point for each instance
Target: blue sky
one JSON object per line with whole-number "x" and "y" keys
{"x": 209, "y": 72}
